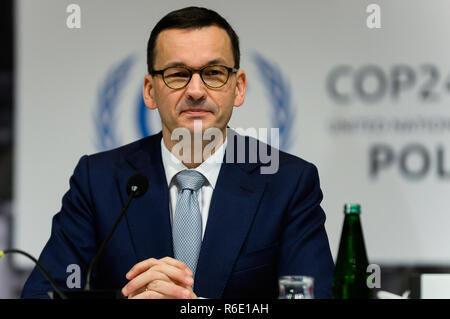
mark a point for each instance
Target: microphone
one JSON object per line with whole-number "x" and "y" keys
{"x": 137, "y": 186}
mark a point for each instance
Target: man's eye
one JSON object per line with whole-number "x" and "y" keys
{"x": 213, "y": 72}
{"x": 178, "y": 75}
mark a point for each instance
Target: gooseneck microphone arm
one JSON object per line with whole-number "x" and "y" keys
{"x": 43, "y": 270}
{"x": 137, "y": 186}
{"x": 99, "y": 252}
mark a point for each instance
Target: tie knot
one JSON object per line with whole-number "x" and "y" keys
{"x": 190, "y": 179}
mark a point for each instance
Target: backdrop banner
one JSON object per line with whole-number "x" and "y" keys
{"x": 368, "y": 106}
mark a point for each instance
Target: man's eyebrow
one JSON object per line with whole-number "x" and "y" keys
{"x": 211, "y": 62}
{"x": 217, "y": 61}
{"x": 172, "y": 64}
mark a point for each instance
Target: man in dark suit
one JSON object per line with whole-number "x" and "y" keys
{"x": 210, "y": 224}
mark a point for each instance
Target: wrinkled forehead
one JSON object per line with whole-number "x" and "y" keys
{"x": 193, "y": 47}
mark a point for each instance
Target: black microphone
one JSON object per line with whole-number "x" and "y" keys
{"x": 137, "y": 186}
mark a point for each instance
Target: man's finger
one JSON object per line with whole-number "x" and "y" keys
{"x": 176, "y": 263}
{"x": 141, "y": 267}
{"x": 148, "y": 263}
{"x": 145, "y": 293}
{"x": 158, "y": 272}
{"x": 149, "y": 294}
{"x": 136, "y": 292}
{"x": 169, "y": 289}
{"x": 175, "y": 274}
{"x": 142, "y": 280}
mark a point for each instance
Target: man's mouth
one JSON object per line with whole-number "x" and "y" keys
{"x": 196, "y": 111}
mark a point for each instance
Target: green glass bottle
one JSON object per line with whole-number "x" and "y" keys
{"x": 350, "y": 274}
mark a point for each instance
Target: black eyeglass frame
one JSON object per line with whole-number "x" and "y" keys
{"x": 191, "y": 72}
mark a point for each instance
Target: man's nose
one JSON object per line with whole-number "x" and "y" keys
{"x": 196, "y": 89}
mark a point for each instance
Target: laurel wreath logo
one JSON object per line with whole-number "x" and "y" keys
{"x": 279, "y": 93}
{"x": 108, "y": 100}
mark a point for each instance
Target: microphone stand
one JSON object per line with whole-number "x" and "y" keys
{"x": 105, "y": 241}
{"x": 136, "y": 187}
{"x": 87, "y": 293}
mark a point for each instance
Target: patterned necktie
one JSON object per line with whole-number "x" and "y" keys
{"x": 187, "y": 221}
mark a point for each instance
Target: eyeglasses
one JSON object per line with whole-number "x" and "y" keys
{"x": 178, "y": 77}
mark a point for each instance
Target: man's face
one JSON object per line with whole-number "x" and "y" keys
{"x": 194, "y": 48}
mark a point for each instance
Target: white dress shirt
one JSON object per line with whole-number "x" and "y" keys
{"x": 209, "y": 168}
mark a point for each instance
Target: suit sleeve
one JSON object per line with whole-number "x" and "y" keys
{"x": 305, "y": 248}
{"x": 71, "y": 240}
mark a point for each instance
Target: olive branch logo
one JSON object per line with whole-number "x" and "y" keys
{"x": 108, "y": 100}
{"x": 279, "y": 93}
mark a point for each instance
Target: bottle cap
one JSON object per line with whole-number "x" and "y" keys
{"x": 352, "y": 209}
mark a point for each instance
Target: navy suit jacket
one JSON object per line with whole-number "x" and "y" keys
{"x": 260, "y": 226}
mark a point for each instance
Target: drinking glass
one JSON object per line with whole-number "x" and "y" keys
{"x": 296, "y": 287}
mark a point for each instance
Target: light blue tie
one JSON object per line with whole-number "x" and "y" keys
{"x": 187, "y": 221}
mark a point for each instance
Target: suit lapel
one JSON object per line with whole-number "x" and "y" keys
{"x": 232, "y": 210}
{"x": 148, "y": 216}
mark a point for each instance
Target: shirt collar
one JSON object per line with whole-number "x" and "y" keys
{"x": 210, "y": 168}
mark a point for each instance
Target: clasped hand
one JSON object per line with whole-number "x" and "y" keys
{"x": 165, "y": 278}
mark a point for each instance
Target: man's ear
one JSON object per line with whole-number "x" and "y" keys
{"x": 241, "y": 87}
{"x": 148, "y": 92}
